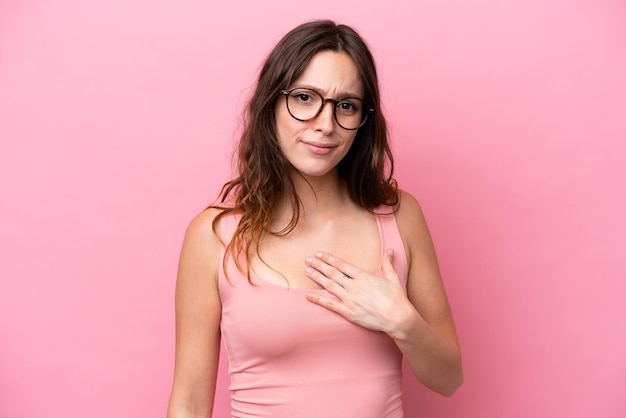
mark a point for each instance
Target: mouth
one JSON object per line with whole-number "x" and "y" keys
{"x": 319, "y": 148}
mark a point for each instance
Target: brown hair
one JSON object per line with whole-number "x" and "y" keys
{"x": 264, "y": 172}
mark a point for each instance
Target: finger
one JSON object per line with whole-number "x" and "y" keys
{"x": 346, "y": 269}
{"x": 328, "y": 303}
{"x": 328, "y": 270}
{"x": 333, "y": 285}
{"x": 387, "y": 265}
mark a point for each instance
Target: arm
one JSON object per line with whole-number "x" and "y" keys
{"x": 198, "y": 313}
{"x": 425, "y": 331}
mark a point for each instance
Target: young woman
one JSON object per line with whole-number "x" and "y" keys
{"x": 318, "y": 273}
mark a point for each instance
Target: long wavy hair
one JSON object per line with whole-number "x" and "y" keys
{"x": 263, "y": 175}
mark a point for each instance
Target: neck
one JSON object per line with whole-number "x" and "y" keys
{"x": 320, "y": 197}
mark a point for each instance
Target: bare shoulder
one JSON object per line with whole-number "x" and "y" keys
{"x": 201, "y": 226}
{"x": 201, "y": 248}
{"x": 411, "y": 221}
{"x": 408, "y": 206}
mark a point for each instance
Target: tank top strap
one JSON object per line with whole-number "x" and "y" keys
{"x": 228, "y": 272}
{"x": 390, "y": 238}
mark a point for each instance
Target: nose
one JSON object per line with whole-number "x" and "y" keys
{"x": 325, "y": 121}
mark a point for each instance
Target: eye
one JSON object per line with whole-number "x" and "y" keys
{"x": 348, "y": 107}
{"x": 303, "y": 97}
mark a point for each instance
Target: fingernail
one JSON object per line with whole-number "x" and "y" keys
{"x": 309, "y": 271}
{"x": 308, "y": 260}
{"x": 319, "y": 254}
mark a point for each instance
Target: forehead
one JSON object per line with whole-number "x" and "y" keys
{"x": 333, "y": 74}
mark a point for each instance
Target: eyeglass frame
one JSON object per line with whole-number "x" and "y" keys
{"x": 367, "y": 108}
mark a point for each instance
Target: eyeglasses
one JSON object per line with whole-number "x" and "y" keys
{"x": 304, "y": 104}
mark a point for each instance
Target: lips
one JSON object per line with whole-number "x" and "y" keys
{"x": 319, "y": 148}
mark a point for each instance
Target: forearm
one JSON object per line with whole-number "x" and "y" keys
{"x": 435, "y": 360}
{"x": 184, "y": 413}
{"x": 193, "y": 395}
{"x": 177, "y": 409}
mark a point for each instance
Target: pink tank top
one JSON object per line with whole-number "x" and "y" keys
{"x": 290, "y": 358}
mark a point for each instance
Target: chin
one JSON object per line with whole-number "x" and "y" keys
{"x": 316, "y": 172}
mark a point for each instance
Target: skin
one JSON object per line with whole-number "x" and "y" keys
{"x": 335, "y": 246}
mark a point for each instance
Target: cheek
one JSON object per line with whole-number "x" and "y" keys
{"x": 282, "y": 134}
{"x": 282, "y": 121}
{"x": 349, "y": 143}
{"x": 349, "y": 140}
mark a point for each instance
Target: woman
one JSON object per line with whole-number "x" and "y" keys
{"x": 317, "y": 272}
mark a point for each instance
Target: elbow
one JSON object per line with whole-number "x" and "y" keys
{"x": 452, "y": 386}
{"x": 444, "y": 377}
{"x": 455, "y": 378}
{"x": 448, "y": 385}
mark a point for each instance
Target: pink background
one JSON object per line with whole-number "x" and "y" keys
{"x": 508, "y": 122}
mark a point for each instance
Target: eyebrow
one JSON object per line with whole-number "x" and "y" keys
{"x": 341, "y": 95}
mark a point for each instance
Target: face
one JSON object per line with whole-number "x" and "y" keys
{"x": 315, "y": 147}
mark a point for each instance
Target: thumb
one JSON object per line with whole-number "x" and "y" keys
{"x": 387, "y": 265}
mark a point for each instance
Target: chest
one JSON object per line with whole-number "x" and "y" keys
{"x": 280, "y": 260}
